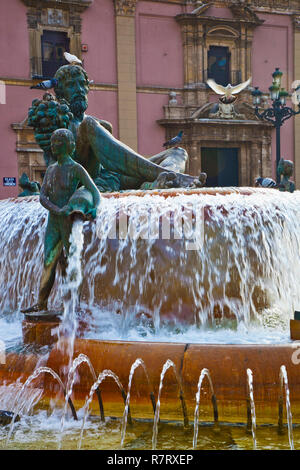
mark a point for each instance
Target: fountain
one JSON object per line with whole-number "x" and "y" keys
{"x": 160, "y": 289}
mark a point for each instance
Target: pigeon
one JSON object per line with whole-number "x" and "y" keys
{"x": 229, "y": 90}
{"x": 72, "y": 59}
{"x": 45, "y": 85}
{"x": 174, "y": 141}
{"x": 265, "y": 182}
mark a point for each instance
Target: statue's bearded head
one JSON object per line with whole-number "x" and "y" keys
{"x": 73, "y": 86}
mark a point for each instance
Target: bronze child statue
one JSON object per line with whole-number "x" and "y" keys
{"x": 285, "y": 170}
{"x": 60, "y": 183}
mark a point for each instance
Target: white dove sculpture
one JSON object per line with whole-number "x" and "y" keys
{"x": 72, "y": 59}
{"x": 229, "y": 90}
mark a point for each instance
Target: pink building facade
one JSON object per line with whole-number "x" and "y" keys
{"x": 137, "y": 52}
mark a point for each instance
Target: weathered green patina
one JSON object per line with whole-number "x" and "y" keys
{"x": 100, "y": 162}
{"x": 285, "y": 170}
{"x": 60, "y": 196}
{"x": 30, "y": 188}
{"x": 111, "y": 164}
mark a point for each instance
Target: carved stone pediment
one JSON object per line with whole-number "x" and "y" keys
{"x": 237, "y": 111}
{"x": 244, "y": 12}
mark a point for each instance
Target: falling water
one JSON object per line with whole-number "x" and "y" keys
{"x": 283, "y": 377}
{"x": 18, "y": 404}
{"x": 80, "y": 359}
{"x": 243, "y": 263}
{"x": 11, "y": 397}
{"x": 166, "y": 366}
{"x": 252, "y": 405}
{"x": 102, "y": 376}
{"x": 135, "y": 365}
{"x": 71, "y": 286}
{"x": 204, "y": 373}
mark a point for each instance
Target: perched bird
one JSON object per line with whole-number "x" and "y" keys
{"x": 72, "y": 59}
{"x": 200, "y": 8}
{"x": 265, "y": 182}
{"x": 46, "y": 84}
{"x": 174, "y": 141}
{"x": 227, "y": 91}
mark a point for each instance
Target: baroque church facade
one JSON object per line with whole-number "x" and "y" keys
{"x": 149, "y": 61}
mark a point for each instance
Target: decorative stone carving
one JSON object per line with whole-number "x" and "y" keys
{"x": 244, "y": 12}
{"x": 172, "y": 98}
{"x": 296, "y": 21}
{"x": 226, "y": 111}
{"x": 125, "y": 7}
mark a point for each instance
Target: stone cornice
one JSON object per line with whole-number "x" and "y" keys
{"x": 190, "y": 18}
{"x": 76, "y": 5}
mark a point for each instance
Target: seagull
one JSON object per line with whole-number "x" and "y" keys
{"x": 265, "y": 182}
{"x": 229, "y": 90}
{"x": 174, "y": 140}
{"x": 72, "y": 59}
{"x": 45, "y": 85}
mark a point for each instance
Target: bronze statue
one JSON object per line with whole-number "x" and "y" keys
{"x": 285, "y": 170}
{"x": 112, "y": 165}
{"x": 100, "y": 162}
{"x": 58, "y": 195}
{"x": 30, "y": 188}
{"x": 45, "y": 116}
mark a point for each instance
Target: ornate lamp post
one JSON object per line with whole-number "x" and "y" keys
{"x": 278, "y": 112}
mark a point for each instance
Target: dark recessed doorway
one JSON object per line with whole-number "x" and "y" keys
{"x": 221, "y": 166}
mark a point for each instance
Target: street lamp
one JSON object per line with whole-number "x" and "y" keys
{"x": 278, "y": 112}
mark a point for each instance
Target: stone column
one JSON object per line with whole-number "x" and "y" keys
{"x": 126, "y": 69}
{"x": 297, "y": 119}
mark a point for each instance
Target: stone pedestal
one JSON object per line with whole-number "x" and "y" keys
{"x": 41, "y": 328}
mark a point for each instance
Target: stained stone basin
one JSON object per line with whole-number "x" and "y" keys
{"x": 244, "y": 266}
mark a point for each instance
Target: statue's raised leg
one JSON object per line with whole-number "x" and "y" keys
{"x": 118, "y": 157}
{"x": 57, "y": 235}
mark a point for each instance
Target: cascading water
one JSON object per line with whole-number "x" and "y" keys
{"x": 240, "y": 263}
{"x": 204, "y": 373}
{"x": 71, "y": 287}
{"x": 237, "y": 259}
{"x": 284, "y": 381}
{"x": 102, "y": 376}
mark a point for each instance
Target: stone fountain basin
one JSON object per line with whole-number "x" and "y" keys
{"x": 170, "y": 286}
{"x": 160, "y": 279}
{"x": 227, "y": 365}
